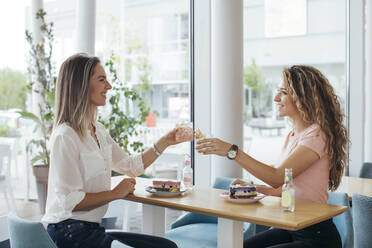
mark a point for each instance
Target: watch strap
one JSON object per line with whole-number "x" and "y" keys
{"x": 156, "y": 151}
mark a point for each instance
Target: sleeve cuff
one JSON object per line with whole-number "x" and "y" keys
{"x": 132, "y": 166}
{"x": 69, "y": 202}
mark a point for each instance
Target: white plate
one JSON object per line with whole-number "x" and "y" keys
{"x": 153, "y": 191}
{"x": 226, "y": 196}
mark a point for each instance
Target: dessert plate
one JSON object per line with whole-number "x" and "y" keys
{"x": 155, "y": 192}
{"x": 226, "y": 196}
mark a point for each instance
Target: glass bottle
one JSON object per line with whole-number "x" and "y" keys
{"x": 288, "y": 191}
{"x": 187, "y": 172}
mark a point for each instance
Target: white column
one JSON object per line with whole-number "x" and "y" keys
{"x": 202, "y": 85}
{"x": 37, "y": 100}
{"x": 36, "y": 5}
{"x": 368, "y": 83}
{"x": 86, "y": 25}
{"x": 227, "y": 81}
{"x": 123, "y": 47}
{"x": 356, "y": 55}
{"x": 153, "y": 220}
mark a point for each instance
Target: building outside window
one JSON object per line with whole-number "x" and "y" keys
{"x": 151, "y": 41}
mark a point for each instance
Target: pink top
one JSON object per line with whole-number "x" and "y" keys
{"x": 311, "y": 184}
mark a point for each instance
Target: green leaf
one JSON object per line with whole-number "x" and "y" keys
{"x": 29, "y": 115}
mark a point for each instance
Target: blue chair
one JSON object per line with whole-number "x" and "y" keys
{"x": 28, "y": 234}
{"x": 117, "y": 244}
{"x": 198, "y": 230}
{"x": 362, "y": 214}
{"x": 344, "y": 221}
{"x": 366, "y": 171}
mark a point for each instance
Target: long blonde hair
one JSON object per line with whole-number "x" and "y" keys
{"x": 317, "y": 103}
{"x": 72, "y": 102}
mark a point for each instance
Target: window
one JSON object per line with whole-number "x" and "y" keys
{"x": 152, "y": 40}
{"x": 285, "y": 18}
{"x": 323, "y": 46}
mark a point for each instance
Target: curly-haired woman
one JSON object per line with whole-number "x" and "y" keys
{"x": 315, "y": 149}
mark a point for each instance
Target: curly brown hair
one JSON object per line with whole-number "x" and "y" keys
{"x": 317, "y": 102}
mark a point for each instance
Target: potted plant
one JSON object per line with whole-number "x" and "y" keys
{"x": 121, "y": 122}
{"x": 42, "y": 82}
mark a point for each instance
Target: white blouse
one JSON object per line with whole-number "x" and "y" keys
{"x": 78, "y": 167}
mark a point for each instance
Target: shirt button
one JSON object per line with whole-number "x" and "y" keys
{"x": 70, "y": 236}
{"x": 68, "y": 226}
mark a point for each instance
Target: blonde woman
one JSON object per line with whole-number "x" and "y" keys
{"x": 315, "y": 149}
{"x": 82, "y": 157}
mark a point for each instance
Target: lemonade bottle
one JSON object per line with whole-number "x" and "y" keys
{"x": 288, "y": 191}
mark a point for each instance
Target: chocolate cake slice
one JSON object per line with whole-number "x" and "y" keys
{"x": 242, "y": 192}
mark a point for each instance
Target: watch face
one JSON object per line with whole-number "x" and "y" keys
{"x": 232, "y": 154}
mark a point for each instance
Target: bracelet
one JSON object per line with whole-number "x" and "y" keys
{"x": 156, "y": 150}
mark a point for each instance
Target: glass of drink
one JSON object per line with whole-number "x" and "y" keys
{"x": 184, "y": 131}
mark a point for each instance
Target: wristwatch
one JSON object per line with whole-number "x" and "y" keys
{"x": 233, "y": 151}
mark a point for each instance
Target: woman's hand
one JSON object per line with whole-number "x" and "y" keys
{"x": 124, "y": 188}
{"x": 213, "y": 146}
{"x": 241, "y": 182}
{"x": 170, "y": 137}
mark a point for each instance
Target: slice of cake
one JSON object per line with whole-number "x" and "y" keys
{"x": 240, "y": 192}
{"x": 166, "y": 185}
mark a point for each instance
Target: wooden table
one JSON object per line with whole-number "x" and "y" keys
{"x": 358, "y": 185}
{"x": 231, "y": 216}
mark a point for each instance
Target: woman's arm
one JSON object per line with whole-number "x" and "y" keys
{"x": 149, "y": 156}
{"x": 135, "y": 165}
{"x": 95, "y": 200}
{"x": 269, "y": 190}
{"x": 299, "y": 160}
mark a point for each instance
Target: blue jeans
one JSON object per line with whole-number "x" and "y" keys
{"x": 323, "y": 234}
{"x": 83, "y": 234}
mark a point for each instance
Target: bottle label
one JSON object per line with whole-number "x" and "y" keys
{"x": 187, "y": 180}
{"x": 287, "y": 179}
{"x": 286, "y": 199}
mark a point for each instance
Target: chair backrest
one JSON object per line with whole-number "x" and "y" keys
{"x": 117, "y": 244}
{"x": 4, "y": 233}
{"x": 366, "y": 170}
{"x": 222, "y": 183}
{"x": 362, "y": 216}
{"x": 28, "y": 234}
{"x": 344, "y": 221}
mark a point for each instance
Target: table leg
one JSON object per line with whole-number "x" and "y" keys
{"x": 230, "y": 233}
{"x": 153, "y": 220}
